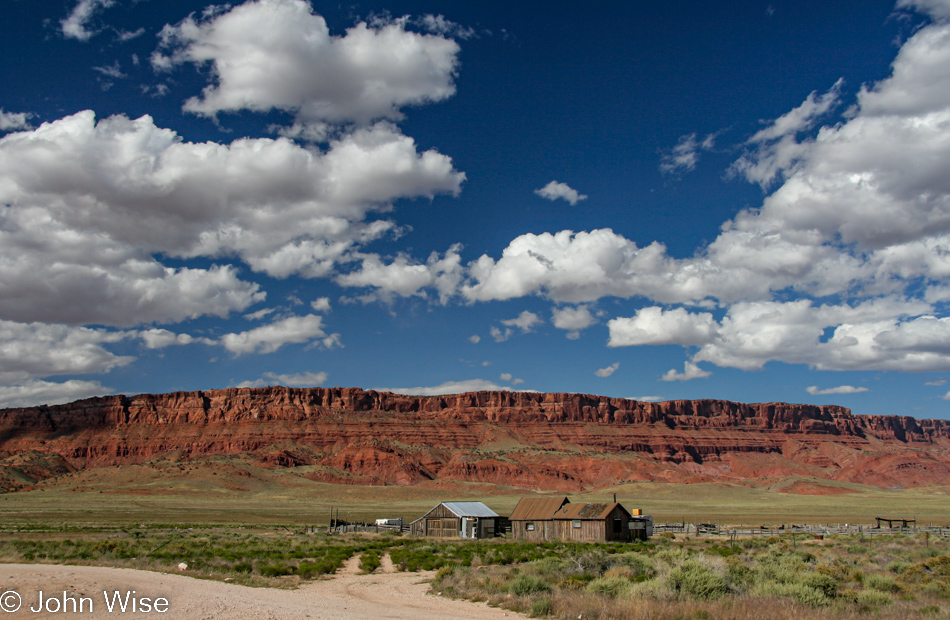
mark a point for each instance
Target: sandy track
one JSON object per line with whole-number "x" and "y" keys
{"x": 345, "y": 597}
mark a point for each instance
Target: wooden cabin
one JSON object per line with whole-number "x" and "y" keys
{"x": 458, "y": 520}
{"x": 540, "y": 519}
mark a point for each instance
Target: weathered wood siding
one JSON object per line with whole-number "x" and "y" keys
{"x": 543, "y": 530}
{"x": 615, "y": 527}
{"x": 588, "y": 531}
{"x": 442, "y": 527}
{"x": 438, "y": 522}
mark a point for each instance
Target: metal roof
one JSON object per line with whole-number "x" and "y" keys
{"x": 537, "y": 508}
{"x": 470, "y": 509}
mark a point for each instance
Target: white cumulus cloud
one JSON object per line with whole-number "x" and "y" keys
{"x": 36, "y": 350}
{"x": 278, "y": 54}
{"x": 36, "y": 392}
{"x": 76, "y": 25}
{"x": 271, "y": 337}
{"x": 92, "y": 203}
{"x": 161, "y": 338}
{"x": 939, "y": 9}
{"x": 14, "y": 121}
{"x": 860, "y": 217}
{"x": 841, "y": 389}
{"x": 690, "y": 371}
{"x": 404, "y": 277}
{"x": 526, "y": 321}
{"x": 321, "y": 304}
{"x": 609, "y": 370}
{"x": 555, "y": 190}
{"x": 573, "y": 318}
{"x": 656, "y": 326}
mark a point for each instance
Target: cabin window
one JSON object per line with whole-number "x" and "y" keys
{"x": 618, "y": 526}
{"x": 576, "y": 523}
{"x": 529, "y": 527}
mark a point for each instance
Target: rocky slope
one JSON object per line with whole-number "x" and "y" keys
{"x": 567, "y": 442}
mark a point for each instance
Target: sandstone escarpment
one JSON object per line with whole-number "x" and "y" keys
{"x": 554, "y": 441}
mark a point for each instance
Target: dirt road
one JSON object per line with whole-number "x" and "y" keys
{"x": 347, "y": 596}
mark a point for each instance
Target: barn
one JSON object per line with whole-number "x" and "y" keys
{"x": 558, "y": 519}
{"x": 458, "y": 520}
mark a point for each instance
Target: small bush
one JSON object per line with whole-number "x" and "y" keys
{"x": 639, "y": 563}
{"x": 575, "y": 582}
{"x": 826, "y": 584}
{"x": 524, "y": 584}
{"x": 277, "y": 570}
{"x": 873, "y": 598}
{"x": 697, "y": 581}
{"x": 369, "y": 561}
{"x": 932, "y": 575}
{"x": 542, "y": 607}
{"x": 589, "y": 561}
{"x": 551, "y": 566}
{"x": 881, "y": 583}
{"x": 737, "y": 572}
{"x": 608, "y": 586}
{"x": 805, "y": 595}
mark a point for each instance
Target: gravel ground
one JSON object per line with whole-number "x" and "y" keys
{"x": 347, "y": 596}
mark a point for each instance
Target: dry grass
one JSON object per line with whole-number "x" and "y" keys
{"x": 901, "y": 577}
{"x": 222, "y": 490}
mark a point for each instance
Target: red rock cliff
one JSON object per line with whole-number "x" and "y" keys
{"x": 565, "y": 441}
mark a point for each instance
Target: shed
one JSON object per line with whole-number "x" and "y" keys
{"x": 559, "y": 519}
{"x": 457, "y": 520}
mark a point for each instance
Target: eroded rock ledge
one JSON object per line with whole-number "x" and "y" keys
{"x": 487, "y": 435}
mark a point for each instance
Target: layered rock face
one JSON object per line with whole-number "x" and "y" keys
{"x": 545, "y": 441}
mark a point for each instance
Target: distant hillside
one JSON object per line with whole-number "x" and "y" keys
{"x": 566, "y": 442}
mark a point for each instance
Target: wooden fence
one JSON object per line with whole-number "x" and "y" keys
{"x": 716, "y": 529}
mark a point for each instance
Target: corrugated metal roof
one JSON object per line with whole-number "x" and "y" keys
{"x": 470, "y": 509}
{"x": 537, "y": 508}
{"x": 587, "y": 511}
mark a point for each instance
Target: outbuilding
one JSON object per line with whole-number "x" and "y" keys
{"x": 458, "y": 520}
{"x": 558, "y": 519}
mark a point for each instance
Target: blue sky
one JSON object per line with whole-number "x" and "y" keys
{"x": 748, "y": 201}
